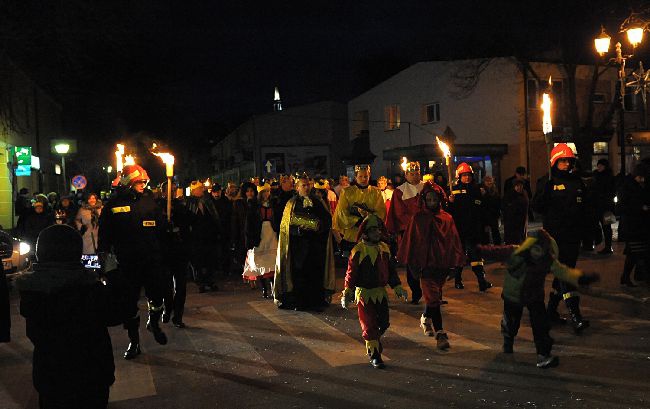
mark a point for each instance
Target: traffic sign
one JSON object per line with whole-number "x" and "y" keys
{"x": 269, "y": 166}
{"x": 79, "y": 182}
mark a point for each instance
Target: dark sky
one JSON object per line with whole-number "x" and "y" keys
{"x": 164, "y": 66}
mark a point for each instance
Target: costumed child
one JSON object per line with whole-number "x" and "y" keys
{"x": 370, "y": 269}
{"x": 523, "y": 286}
{"x": 432, "y": 249}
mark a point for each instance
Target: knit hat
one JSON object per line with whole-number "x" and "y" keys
{"x": 59, "y": 243}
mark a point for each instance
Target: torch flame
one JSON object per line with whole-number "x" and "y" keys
{"x": 119, "y": 164}
{"x": 129, "y": 160}
{"x": 446, "y": 152}
{"x": 167, "y": 158}
{"x": 547, "y": 125}
{"x": 404, "y": 163}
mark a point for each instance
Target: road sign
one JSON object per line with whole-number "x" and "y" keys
{"x": 23, "y": 170}
{"x": 269, "y": 166}
{"x": 23, "y": 155}
{"x": 79, "y": 182}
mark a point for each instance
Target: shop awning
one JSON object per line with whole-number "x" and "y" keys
{"x": 429, "y": 150}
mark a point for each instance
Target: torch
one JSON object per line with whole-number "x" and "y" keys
{"x": 119, "y": 164}
{"x": 168, "y": 160}
{"x": 547, "y": 125}
{"x": 446, "y": 152}
{"x": 404, "y": 163}
{"x": 129, "y": 160}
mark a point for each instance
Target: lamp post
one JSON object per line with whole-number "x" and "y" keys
{"x": 62, "y": 149}
{"x": 634, "y": 27}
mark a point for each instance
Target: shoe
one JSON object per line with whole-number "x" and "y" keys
{"x": 507, "y": 347}
{"x": 154, "y": 328}
{"x": 376, "y": 361}
{"x": 178, "y": 323}
{"x": 166, "y": 317}
{"x": 579, "y": 324}
{"x": 483, "y": 285}
{"x": 425, "y": 324}
{"x": 547, "y": 361}
{"x": 132, "y": 351}
{"x": 606, "y": 250}
{"x": 459, "y": 285}
{"x": 442, "y": 340}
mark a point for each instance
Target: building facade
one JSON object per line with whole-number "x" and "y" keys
{"x": 28, "y": 118}
{"x": 311, "y": 138}
{"x": 487, "y": 109}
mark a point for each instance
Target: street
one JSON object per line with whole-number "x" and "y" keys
{"x": 240, "y": 351}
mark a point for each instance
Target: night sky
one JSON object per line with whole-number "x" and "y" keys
{"x": 197, "y": 68}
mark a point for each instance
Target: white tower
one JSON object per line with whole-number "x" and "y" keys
{"x": 277, "y": 104}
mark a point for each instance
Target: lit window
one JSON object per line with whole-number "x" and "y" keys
{"x": 391, "y": 117}
{"x": 601, "y": 147}
{"x": 430, "y": 113}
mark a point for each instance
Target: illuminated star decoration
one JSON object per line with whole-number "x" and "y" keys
{"x": 641, "y": 82}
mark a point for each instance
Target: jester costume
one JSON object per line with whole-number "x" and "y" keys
{"x": 370, "y": 269}
{"x": 523, "y": 286}
{"x": 432, "y": 249}
{"x": 304, "y": 267}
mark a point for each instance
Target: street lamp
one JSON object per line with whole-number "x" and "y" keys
{"x": 634, "y": 27}
{"x": 62, "y": 149}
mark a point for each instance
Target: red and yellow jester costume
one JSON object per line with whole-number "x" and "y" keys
{"x": 370, "y": 269}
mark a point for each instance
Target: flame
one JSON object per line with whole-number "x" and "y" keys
{"x": 547, "y": 124}
{"x": 206, "y": 183}
{"x": 446, "y": 152}
{"x": 119, "y": 164}
{"x": 129, "y": 160}
{"x": 404, "y": 163}
{"x": 167, "y": 158}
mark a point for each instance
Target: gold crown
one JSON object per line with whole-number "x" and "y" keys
{"x": 265, "y": 186}
{"x": 362, "y": 166}
{"x": 413, "y": 166}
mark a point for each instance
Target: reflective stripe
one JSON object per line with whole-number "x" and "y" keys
{"x": 149, "y": 223}
{"x": 476, "y": 263}
{"x": 122, "y": 209}
{"x": 578, "y": 199}
{"x": 478, "y": 202}
{"x": 154, "y": 308}
{"x": 559, "y": 187}
{"x": 455, "y": 192}
{"x": 570, "y": 294}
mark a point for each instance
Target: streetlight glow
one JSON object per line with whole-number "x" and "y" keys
{"x": 635, "y": 36}
{"x": 62, "y": 148}
{"x": 602, "y": 42}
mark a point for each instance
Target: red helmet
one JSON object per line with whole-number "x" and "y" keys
{"x": 562, "y": 150}
{"x": 132, "y": 174}
{"x": 463, "y": 168}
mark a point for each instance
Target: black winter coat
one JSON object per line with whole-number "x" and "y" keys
{"x": 604, "y": 190}
{"x": 561, "y": 201}
{"x": 467, "y": 210}
{"x": 34, "y": 224}
{"x": 515, "y": 216}
{"x": 635, "y": 221}
{"x": 66, "y": 312}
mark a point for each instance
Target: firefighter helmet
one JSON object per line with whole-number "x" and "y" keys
{"x": 560, "y": 151}
{"x": 463, "y": 168}
{"x": 132, "y": 174}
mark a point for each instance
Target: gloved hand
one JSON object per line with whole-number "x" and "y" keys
{"x": 588, "y": 278}
{"x": 347, "y": 296}
{"x": 401, "y": 293}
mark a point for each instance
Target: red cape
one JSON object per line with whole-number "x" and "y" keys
{"x": 400, "y": 211}
{"x": 431, "y": 240}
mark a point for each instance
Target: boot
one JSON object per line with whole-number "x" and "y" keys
{"x": 373, "y": 349}
{"x": 166, "y": 316}
{"x": 376, "y": 361}
{"x": 265, "y": 292}
{"x": 154, "y": 327}
{"x": 547, "y": 361}
{"x": 573, "y": 305}
{"x": 508, "y": 344}
{"x": 483, "y": 284}
{"x": 425, "y": 324}
{"x": 551, "y": 310}
{"x": 133, "y": 331}
{"x": 442, "y": 340}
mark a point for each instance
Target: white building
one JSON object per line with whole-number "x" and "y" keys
{"x": 487, "y": 108}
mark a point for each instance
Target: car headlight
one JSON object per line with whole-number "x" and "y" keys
{"x": 24, "y": 248}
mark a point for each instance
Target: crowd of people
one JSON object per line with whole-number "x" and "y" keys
{"x": 285, "y": 235}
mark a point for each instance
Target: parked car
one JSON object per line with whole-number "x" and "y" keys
{"x": 15, "y": 253}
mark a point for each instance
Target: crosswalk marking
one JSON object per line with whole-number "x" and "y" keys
{"x": 235, "y": 354}
{"x": 133, "y": 380}
{"x": 331, "y": 345}
{"x": 408, "y": 327}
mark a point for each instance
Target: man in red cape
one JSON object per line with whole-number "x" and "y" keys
{"x": 431, "y": 248}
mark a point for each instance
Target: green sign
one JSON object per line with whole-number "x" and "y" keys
{"x": 23, "y": 155}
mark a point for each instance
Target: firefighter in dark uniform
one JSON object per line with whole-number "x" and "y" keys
{"x": 132, "y": 225}
{"x": 561, "y": 202}
{"x": 465, "y": 206}
{"x": 176, "y": 252}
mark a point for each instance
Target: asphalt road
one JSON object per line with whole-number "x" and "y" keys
{"x": 239, "y": 351}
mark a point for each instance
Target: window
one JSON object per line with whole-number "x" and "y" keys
{"x": 430, "y": 113}
{"x": 391, "y": 117}
{"x": 631, "y": 101}
{"x": 599, "y": 98}
{"x": 360, "y": 123}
